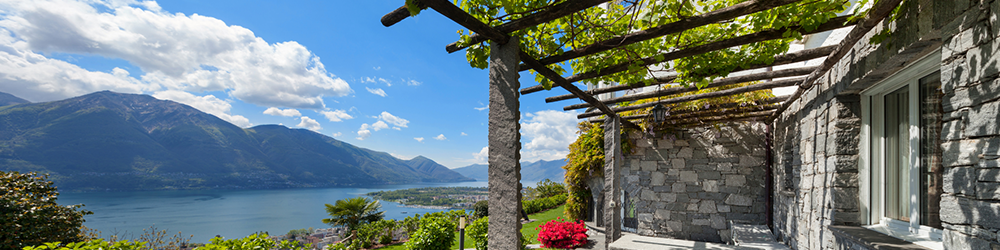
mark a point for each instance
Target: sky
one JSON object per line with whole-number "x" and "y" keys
{"x": 326, "y": 66}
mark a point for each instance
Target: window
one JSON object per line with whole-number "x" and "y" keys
{"x": 900, "y": 167}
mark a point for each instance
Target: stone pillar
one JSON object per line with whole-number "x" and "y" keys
{"x": 612, "y": 180}
{"x": 504, "y": 147}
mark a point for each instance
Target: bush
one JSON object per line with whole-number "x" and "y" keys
{"x": 30, "y": 215}
{"x": 538, "y": 205}
{"x": 253, "y": 241}
{"x": 481, "y": 209}
{"x": 436, "y": 232}
{"x": 562, "y": 234}
{"x": 477, "y": 232}
{"x": 546, "y": 188}
{"x": 96, "y": 244}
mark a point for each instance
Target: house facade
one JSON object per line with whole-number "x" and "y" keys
{"x": 901, "y": 137}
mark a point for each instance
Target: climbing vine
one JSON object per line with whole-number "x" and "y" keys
{"x": 584, "y": 161}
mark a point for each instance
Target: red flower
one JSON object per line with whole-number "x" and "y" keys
{"x": 562, "y": 234}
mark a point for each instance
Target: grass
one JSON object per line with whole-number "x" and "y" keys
{"x": 530, "y": 230}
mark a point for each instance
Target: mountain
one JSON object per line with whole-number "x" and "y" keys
{"x": 530, "y": 171}
{"x": 112, "y": 141}
{"x": 8, "y": 99}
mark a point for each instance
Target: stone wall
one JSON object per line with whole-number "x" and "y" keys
{"x": 689, "y": 184}
{"x": 816, "y": 140}
{"x": 970, "y": 206}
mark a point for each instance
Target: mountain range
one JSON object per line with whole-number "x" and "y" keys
{"x": 114, "y": 141}
{"x": 530, "y": 171}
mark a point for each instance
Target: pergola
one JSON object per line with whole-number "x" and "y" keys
{"x": 507, "y": 60}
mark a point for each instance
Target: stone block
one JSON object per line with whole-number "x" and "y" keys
{"x": 701, "y": 222}
{"x": 722, "y": 208}
{"x": 664, "y": 144}
{"x": 962, "y": 152}
{"x": 661, "y": 214}
{"x": 681, "y": 143}
{"x": 846, "y": 199}
{"x": 643, "y": 143}
{"x": 955, "y": 240}
{"x": 718, "y": 221}
{"x": 689, "y": 176}
{"x": 845, "y": 180}
{"x": 709, "y": 175}
{"x": 656, "y": 178}
{"x": 677, "y": 163}
{"x": 988, "y": 174}
{"x": 983, "y": 120}
{"x": 648, "y": 195}
{"x": 738, "y": 200}
{"x": 959, "y": 180}
{"x": 736, "y": 180}
{"x": 953, "y": 130}
{"x": 692, "y": 207}
{"x": 988, "y": 190}
{"x": 678, "y": 188}
{"x": 965, "y": 40}
{"x": 668, "y": 197}
{"x": 707, "y": 207}
{"x": 647, "y": 166}
{"x": 725, "y": 167}
{"x": 685, "y": 152}
{"x": 710, "y": 186}
{"x": 750, "y": 161}
{"x": 661, "y": 189}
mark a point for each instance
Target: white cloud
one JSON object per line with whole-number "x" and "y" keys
{"x": 396, "y": 128}
{"x": 484, "y": 107}
{"x": 175, "y": 52}
{"x": 413, "y": 83}
{"x": 336, "y": 115}
{"x": 482, "y": 157}
{"x": 337, "y": 134}
{"x": 208, "y": 104}
{"x": 440, "y": 137}
{"x": 376, "y": 91}
{"x": 391, "y": 119}
{"x": 383, "y": 80}
{"x": 548, "y": 133}
{"x": 282, "y": 112}
{"x": 419, "y": 139}
{"x": 377, "y": 67}
{"x": 367, "y": 80}
{"x": 379, "y": 125}
{"x": 309, "y": 123}
{"x": 464, "y": 134}
{"x": 363, "y": 132}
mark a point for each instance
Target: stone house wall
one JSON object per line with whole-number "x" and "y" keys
{"x": 690, "y": 183}
{"x": 816, "y": 140}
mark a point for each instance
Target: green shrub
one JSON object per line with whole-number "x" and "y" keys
{"x": 436, "y": 232}
{"x": 538, "y": 205}
{"x": 546, "y": 188}
{"x": 481, "y": 209}
{"x": 477, "y": 232}
{"x": 252, "y": 242}
{"x": 30, "y": 215}
{"x": 96, "y": 244}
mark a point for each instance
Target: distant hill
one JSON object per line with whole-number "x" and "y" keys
{"x": 8, "y": 99}
{"x": 530, "y": 171}
{"x": 112, "y": 141}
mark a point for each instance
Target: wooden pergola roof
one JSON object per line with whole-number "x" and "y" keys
{"x": 767, "y": 110}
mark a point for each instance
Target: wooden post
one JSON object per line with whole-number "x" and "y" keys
{"x": 612, "y": 181}
{"x": 504, "y": 147}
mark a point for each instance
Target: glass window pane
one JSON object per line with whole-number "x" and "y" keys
{"x": 930, "y": 150}
{"x": 897, "y": 165}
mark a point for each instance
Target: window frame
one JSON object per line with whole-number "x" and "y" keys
{"x": 872, "y": 172}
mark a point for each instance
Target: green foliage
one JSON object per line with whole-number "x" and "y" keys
{"x": 252, "y": 242}
{"x": 545, "y": 188}
{"x": 351, "y": 212}
{"x": 481, "y": 209}
{"x": 436, "y": 232}
{"x": 542, "y": 204}
{"x": 95, "y": 244}
{"x": 429, "y": 196}
{"x": 300, "y": 233}
{"x": 477, "y": 232}
{"x": 29, "y": 214}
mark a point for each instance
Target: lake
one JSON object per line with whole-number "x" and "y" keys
{"x": 229, "y": 213}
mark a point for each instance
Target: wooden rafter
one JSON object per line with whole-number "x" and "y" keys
{"x": 676, "y": 90}
{"x": 766, "y": 104}
{"x": 797, "y": 56}
{"x": 732, "y": 91}
{"x": 876, "y": 14}
{"x": 719, "y": 82}
{"x": 544, "y": 16}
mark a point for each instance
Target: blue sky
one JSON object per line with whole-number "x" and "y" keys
{"x": 329, "y": 66}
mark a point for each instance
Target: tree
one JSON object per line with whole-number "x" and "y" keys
{"x": 29, "y": 214}
{"x": 351, "y": 212}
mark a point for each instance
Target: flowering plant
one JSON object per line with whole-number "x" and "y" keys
{"x": 562, "y": 234}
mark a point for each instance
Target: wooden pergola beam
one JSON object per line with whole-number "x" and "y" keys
{"x": 876, "y": 14}
{"x": 676, "y": 90}
{"x": 544, "y": 16}
{"x": 766, "y": 104}
{"x": 686, "y": 24}
{"x": 670, "y": 79}
{"x": 717, "y": 83}
{"x": 732, "y": 91}
{"x": 797, "y": 56}
{"x": 758, "y": 117}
